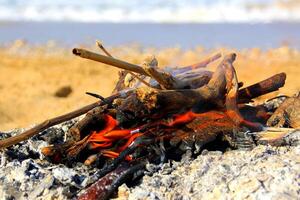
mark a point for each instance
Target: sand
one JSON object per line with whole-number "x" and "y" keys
{"x": 31, "y": 75}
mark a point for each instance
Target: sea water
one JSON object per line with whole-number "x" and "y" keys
{"x": 156, "y": 23}
{"x": 161, "y": 35}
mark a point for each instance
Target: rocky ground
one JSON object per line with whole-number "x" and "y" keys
{"x": 265, "y": 172}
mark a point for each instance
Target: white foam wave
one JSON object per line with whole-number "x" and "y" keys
{"x": 139, "y": 11}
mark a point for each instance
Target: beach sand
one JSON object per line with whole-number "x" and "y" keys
{"x": 31, "y": 75}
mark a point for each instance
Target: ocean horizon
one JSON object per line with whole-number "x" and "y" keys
{"x": 157, "y": 35}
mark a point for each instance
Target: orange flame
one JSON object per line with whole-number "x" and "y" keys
{"x": 111, "y": 133}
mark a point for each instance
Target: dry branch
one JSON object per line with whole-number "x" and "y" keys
{"x": 263, "y": 87}
{"x": 109, "y": 60}
{"x": 203, "y": 63}
{"x": 161, "y": 77}
{"x": 51, "y": 122}
{"x": 165, "y": 80}
{"x": 100, "y": 45}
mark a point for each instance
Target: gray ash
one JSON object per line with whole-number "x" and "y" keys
{"x": 26, "y": 174}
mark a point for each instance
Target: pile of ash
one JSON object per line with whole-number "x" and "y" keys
{"x": 26, "y": 173}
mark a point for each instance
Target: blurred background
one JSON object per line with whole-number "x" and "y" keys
{"x": 40, "y": 78}
{"x": 156, "y": 23}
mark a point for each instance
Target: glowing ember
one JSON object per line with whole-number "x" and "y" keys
{"x": 109, "y": 135}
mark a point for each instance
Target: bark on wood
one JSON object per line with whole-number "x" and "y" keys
{"x": 263, "y": 87}
{"x": 231, "y": 99}
{"x": 287, "y": 114}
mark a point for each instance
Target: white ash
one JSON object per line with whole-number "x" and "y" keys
{"x": 265, "y": 172}
{"x": 26, "y": 174}
{"x": 274, "y": 103}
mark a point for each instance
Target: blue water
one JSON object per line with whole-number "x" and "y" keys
{"x": 155, "y": 35}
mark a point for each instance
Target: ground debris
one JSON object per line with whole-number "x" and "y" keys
{"x": 264, "y": 172}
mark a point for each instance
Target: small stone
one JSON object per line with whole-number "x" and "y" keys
{"x": 63, "y": 174}
{"x": 42, "y": 188}
{"x": 63, "y": 92}
{"x": 123, "y": 192}
{"x": 204, "y": 152}
{"x": 153, "y": 196}
{"x": 139, "y": 194}
{"x": 263, "y": 177}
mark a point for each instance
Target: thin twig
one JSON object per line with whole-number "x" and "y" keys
{"x": 100, "y": 45}
{"x": 277, "y": 97}
{"x": 204, "y": 63}
{"x": 195, "y": 66}
{"x": 164, "y": 79}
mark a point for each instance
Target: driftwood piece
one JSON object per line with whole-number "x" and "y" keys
{"x": 46, "y": 124}
{"x": 144, "y": 102}
{"x": 205, "y": 127}
{"x": 105, "y": 186}
{"x": 100, "y": 45}
{"x": 165, "y": 80}
{"x": 109, "y": 60}
{"x": 287, "y": 114}
{"x": 92, "y": 116}
{"x": 263, "y": 87}
{"x": 278, "y": 136}
{"x": 231, "y": 101}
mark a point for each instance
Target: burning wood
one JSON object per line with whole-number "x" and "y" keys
{"x": 176, "y": 109}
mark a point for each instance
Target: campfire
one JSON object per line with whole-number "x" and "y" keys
{"x": 155, "y": 114}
